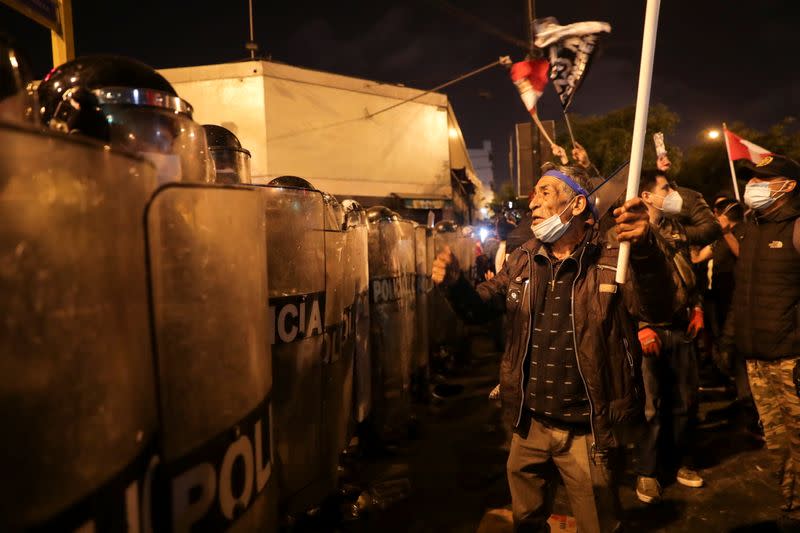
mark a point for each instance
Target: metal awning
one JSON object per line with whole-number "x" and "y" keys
{"x": 423, "y": 201}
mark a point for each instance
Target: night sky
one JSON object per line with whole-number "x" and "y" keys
{"x": 716, "y": 60}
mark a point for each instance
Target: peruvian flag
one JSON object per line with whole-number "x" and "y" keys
{"x": 739, "y": 148}
{"x": 530, "y": 77}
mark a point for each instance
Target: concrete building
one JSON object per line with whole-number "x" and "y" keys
{"x": 350, "y": 137}
{"x": 483, "y": 162}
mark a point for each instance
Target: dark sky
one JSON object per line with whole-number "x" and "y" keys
{"x": 716, "y": 60}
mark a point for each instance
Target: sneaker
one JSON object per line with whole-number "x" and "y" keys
{"x": 689, "y": 478}
{"x": 648, "y": 489}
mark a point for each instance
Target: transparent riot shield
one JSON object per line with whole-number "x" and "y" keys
{"x": 357, "y": 239}
{"x": 392, "y": 307}
{"x": 208, "y": 265}
{"x": 466, "y": 253}
{"x": 76, "y": 374}
{"x": 337, "y": 393}
{"x": 422, "y": 338}
{"x": 446, "y": 329}
{"x": 297, "y": 305}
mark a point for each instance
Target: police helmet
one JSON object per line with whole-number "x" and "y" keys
{"x": 127, "y": 104}
{"x": 292, "y": 182}
{"x": 446, "y": 226}
{"x": 379, "y": 213}
{"x": 231, "y": 161}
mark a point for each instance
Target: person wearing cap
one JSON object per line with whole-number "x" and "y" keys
{"x": 764, "y": 322}
{"x": 570, "y": 371}
{"x": 669, "y": 367}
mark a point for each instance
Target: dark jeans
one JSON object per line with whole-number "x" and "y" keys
{"x": 670, "y": 385}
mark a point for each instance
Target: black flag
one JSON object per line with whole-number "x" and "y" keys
{"x": 569, "y": 49}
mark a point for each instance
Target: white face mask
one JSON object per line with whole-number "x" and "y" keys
{"x": 758, "y": 196}
{"x": 552, "y": 228}
{"x": 672, "y": 204}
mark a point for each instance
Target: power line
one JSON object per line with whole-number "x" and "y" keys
{"x": 505, "y": 60}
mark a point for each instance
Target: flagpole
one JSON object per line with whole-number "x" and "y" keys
{"x": 640, "y": 122}
{"x": 569, "y": 128}
{"x": 730, "y": 162}
{"x": 564, "y": 159}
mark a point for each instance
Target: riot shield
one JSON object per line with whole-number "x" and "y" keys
{"x": 466, "y": 253}
{"x": 297, "y": 304}
{"x": 423, "y": 287}
{"x": 337, "y": 393}
{"x": 392, "y": 321}
{"x": 76, "y": 373}
{"x": 357, "y": 238}
{"x": 208, "y": 267}
{"x": 446, "y": 329}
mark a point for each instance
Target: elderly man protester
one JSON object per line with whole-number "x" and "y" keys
{"x": 570, "y": 370}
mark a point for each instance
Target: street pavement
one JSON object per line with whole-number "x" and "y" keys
{"x": 455, "y": 471}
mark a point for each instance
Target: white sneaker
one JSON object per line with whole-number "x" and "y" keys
{"x": 689, "y": 478}
{"x": 648, "y": 489}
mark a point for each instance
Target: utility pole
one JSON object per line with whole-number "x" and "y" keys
{"x": 251, "y": 45}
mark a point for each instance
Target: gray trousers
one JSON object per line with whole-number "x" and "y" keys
{"x": 534, "y": 462}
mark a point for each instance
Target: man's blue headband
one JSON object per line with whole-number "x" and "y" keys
{"x": 574, "y": 185}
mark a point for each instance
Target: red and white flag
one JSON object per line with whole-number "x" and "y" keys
{"x": 739, "y": 148}
{"x": 530, "y": 77}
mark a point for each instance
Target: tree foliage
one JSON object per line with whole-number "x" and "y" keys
{"x": 706, "y": 167}
{"x": 502, "y": 197}
{"x": 607, "y": 138}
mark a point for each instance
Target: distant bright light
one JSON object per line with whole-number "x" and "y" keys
{"x": 713, "y": 134}
{"x": 453, "y": 133}
{"x": 510, "y": 205}
{"x": 484, "y": 232}
{"x": 484, "y": 211}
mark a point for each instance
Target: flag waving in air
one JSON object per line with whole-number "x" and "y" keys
{"x": 739, "y": 148}
{"x": 530, "y": 77}
{"x": 570, "y": 50}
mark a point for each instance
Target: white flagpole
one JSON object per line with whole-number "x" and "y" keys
{"x": 640, "y": 122}
{"x": 730, "y": 162}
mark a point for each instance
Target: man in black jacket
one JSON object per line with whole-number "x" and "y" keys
{"x": 669, "y": 368}
{"x": 701, "y": 228}
{"x": 765, "y": 317}
{"x": 570, "y": 371}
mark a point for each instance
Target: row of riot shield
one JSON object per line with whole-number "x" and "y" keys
{"x": 392, "y": 278}
{"x": 317, "y": 282}
{"x": 409, "y": 320}
{"x": 447, "y": 332}
{"x": 424, "y": 246}
{"x": 194, "y": 371}
{"x": 136, "y": 372}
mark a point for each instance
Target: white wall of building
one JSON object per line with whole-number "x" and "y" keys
{"x": 320, "y": 126}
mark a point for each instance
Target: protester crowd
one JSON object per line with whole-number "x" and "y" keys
{"x": 591, "y": 367}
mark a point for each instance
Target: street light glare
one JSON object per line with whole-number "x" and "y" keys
{"x": 713, "y": 134}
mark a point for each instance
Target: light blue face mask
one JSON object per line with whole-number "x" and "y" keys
{"x": 552, "y": 228}
{"x": 759, "y": 196}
